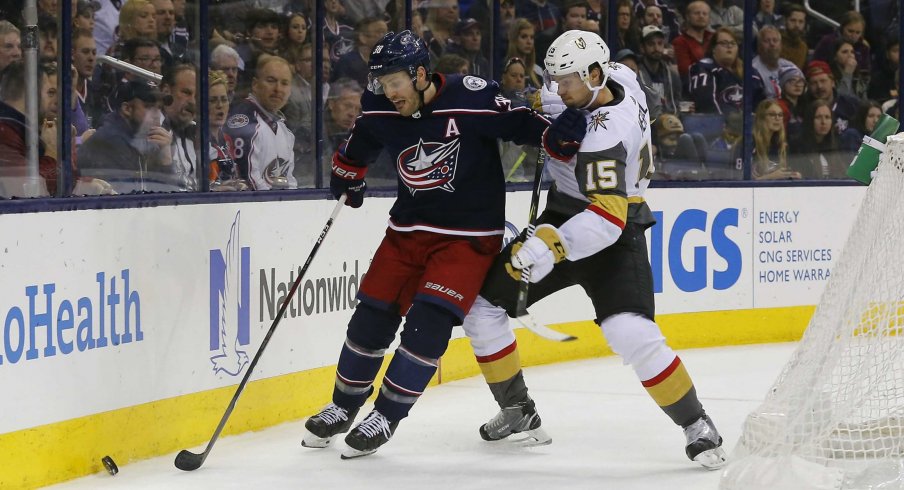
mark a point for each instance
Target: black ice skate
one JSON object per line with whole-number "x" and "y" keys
{"x": 323, "y": 427}
{"x": 374, "y": 431}
{"x": 704, "y": 444}
{"x": 521, "y": 418}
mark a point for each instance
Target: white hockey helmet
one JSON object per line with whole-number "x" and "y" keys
{"x": 575, "y": 52}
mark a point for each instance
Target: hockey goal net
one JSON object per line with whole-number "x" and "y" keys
{"x": 834, "y": 419}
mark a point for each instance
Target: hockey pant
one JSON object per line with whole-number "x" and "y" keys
{"x": 493, "y": 341}
{"x": 371, "y": 330}
{"x": 640, "y": 343}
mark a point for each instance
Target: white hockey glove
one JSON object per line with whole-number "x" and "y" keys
{"x": 552, "y": 104}
{"x": 540, "y": 252}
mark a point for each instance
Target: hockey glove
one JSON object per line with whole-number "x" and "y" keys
{"x": 563, "y": 137}
{"x": 349, "y": 180}
{"x": 540, "y": 252}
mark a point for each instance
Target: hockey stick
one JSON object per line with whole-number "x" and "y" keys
{"x": 189, "y": 461}
{"x": 521, "y": 314}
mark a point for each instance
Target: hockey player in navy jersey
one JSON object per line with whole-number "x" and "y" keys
{"x": 592, "y": 234}
{"x": 445, "y": 227}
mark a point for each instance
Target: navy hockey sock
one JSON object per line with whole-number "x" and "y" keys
{"x": 405, "y": 381}
{"x": 355, "y": 375}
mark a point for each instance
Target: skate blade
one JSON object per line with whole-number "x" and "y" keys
{"x": 528, "y": 438}
{"x": 351, "y": 453}
{"x": 312, "y": 441}
{"x": 712, "y": 459}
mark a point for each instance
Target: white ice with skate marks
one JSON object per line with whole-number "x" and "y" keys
{"x": 607, "y": 434}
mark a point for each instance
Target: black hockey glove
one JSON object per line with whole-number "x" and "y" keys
{"x": 349, "y": 180}
{"x": 563, "y": 137}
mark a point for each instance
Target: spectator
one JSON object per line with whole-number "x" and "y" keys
{"x": 521, "y": 45}
{"x": 354, "y": 63}
{"x": 850, "y": 30}
{"x": 263, "y": 36}
{"x": 655, "y": 72}
{"x": 731, "y": 135}
{"x": 652, "y": 16}
{"x": 179, "y": 109}
{"x": 449, "y": 63}
{"x": 84, "y": 58}
{"x": 766, "y": 15}
{"x": 173, "y": 44}
{"x": 442, "y": 16}
{"x": 227, "y": 60}
{"x": 627, "y": 29}
{"x": 716, "y": 83}
{"x": 515, "y": 158}
{"x": 844, "y": 69}
{"x": 672, "y": 142}
{"x": 768, "y": 60}
{"x": 770, "y": 148}
{"x": 137, "y": 19}
{"x": 863, "y": 124}
{"x": 47, "y": 37}
{"x": 299, "y": 110}
{"x": 817, "y": 153}
{"x": 10, "y": 44}
{"x": 13, "y": 124}
{"x": 821, "y": 84}
{"x": 342, "y": 108}
{"x": 223, "y": 172}
{"x": 627, "y": 58}
{"x": 466, "y": 42}
{"x": 669, "y": 23}
{"x": 130, "y": 145}
{"x": 264, "y": 146}
{"x": 693, "y": 42}
{"x": 106, "y": 23}
{"x": 574, "y": 14}
{"x": 295, "y": 31}
{"x": 84, "y": 15}
{"x": 513, "y": 77}
{"x": 882, "y": 84}
{"x": 794, "y": 40}
{"x": 724, "y": 14}
{"x": 544, "y": 16}
{"x": 338, "y": 36}
{"x": 793, "y": 84}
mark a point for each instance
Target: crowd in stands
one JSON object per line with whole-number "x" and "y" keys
{"x": 816, "y": 89}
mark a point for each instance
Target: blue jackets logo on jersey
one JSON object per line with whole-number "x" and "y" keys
{"x": 428, "y": 166}
{"x": 230, "y": 305}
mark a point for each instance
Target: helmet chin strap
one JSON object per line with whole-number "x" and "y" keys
{"x": 595, "y": 91}
{"x": 420, "y": 93}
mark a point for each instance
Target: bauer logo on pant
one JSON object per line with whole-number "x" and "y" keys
{"x": 230, "y": 305}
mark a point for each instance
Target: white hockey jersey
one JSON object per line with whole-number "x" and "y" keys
{"x": 602, "y": 187}
{"x": 264, "y": 146}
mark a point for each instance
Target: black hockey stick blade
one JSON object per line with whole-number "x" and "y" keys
{"x": 528, "y": 322}
{"x": 189, "y": 461}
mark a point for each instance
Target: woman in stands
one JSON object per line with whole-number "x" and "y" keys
{"x": 223, "y": 175}
{"x": 294, "y": 32}
{"x": 770, "y": 150}
{"x": 137, "y": 19}
{"x": 863, "y": 123}
{"x": 793, "y": 85}
{"x": 848, "y": 79}
{"x": 817, "y": 154}
{"x": 521, "y": 45}
{"x": 716, "y": 82}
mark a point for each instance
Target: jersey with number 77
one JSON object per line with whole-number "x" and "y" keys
{"x": 602, "y": 187}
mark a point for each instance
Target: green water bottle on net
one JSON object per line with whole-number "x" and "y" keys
{"x": 867, "y": 158}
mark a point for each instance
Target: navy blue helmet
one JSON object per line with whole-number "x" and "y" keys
{"x": 397, "y": 52}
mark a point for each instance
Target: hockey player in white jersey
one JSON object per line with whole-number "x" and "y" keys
{"x": 591, "y": 234}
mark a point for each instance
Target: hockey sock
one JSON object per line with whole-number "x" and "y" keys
{"x": 502, "y": 372}
{"x": 405, "y": 380}
{"x": 355, "y": 375}
{"x": 674, "y": 392}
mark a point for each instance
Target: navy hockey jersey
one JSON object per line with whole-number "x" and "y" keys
{"x": 716, "y": 89}
{"x": 450, "y": 177}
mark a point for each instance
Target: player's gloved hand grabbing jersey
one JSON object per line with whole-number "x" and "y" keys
{"x": 563, "y": 137}
{"x": 349, "y": 180}
{"x": 539, "y": 252}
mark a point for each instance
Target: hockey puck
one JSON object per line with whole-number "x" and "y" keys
{"x": 111, "y": 467}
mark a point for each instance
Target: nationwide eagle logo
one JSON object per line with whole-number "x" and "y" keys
{"x": 427, "y": 166}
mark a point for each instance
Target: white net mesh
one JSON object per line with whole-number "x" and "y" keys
{"x": 835, "y": 416}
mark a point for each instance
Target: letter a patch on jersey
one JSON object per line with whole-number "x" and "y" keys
{"x": 452, "y": 128}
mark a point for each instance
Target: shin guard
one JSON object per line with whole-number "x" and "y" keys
{"x": 405, "y": 380}
{"x": 355, "y": 375}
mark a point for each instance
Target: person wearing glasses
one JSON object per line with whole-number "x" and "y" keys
{"x": 717, "y": 81}
{"x": 770, "y": 147}
{"x": 223, "y": 171}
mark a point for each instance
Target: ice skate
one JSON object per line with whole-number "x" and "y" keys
{"x": 704, "y": 444}
{"x": 326, "y": 425}
{"x": 521, "y": 418}
{"x": 374, "y": 431}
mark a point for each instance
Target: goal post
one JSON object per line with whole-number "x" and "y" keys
{"x": 834, "y": 418}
